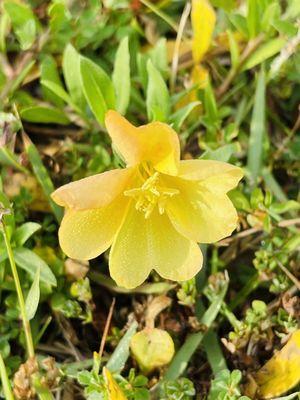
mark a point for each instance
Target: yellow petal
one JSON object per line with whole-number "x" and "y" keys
{"x": 199, "y": 77}
{"x": 203, "y": 23}
{"x": 199, "y": 214}
{"x": 84, "y": 234}
{"x": 145, "y": 244}
{"x": 156, "y": 142}
{"x": 216, "y": 176}
{"x": 95, "y": 191}
{"x": 282, "y": 372}
{"x": 113, "y": 389}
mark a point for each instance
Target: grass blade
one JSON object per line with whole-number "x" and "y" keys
{"x": 120, "y": 355}
{"x": 42, "y": 175}
{"x": 5, "y": 381}
{"x": 257, "y": 128}
{"x": 214, "y": 352}
{"x": 184, "y": 354}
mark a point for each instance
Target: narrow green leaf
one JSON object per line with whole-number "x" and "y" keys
{"x": 158, "y": 98}
{"x": 121, "y": 76}
{"x": 184, "y": 354}
{"x": 257, "y": 128}
{"x": 60, "y": 92}
{"x": 97, "y": 88}
{"x": 42, "y": 175}
{"x": 49, "y": 72}
{"x": 210, "y": 104}
{"x": 178, "y": 118}
{"x": 159, "y": 56}
{"x": 7, "y": 157}
{"x": 223, "y": 153}
{"x": 267, "y": 50}
{"x": 5, "y": 381}
{"x": 234, "y": 49}
{"x": 44, "y": 115}
{"x": 31, "y": 262}
{"x": 226, "y": 4}
{"x": 24, "y": 232}
{"x": 21, "y": 76}
{"x": 214, "y": 352}
{"x": 4, "y": 30}
{"x": 253, "y": 18}
{"x": 120, "y": 355}
{"x": 71, "y": 71}
{"x": 33, "y": 296}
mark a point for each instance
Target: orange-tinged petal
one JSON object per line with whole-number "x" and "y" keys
{"x": 199, "y": 214}
{"x": 84, "y": 234}
{"x": 156, "y": 143}
{"x": 145, "y": 244}
{"x": 282, "y": 372}
{"x": 217, "y": 176}
{"x": 95, "y": 191}
{"x": 113, "y": 389}
{"x": 203, "y": 23}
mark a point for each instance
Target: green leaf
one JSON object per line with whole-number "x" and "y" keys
{"x": 257, "y": 128}
{"x": 49, "y": 72}
{"x": 214, "y": 353}
{"x": 21, "y": 76}
{"x": 184, "y": 354}
{"x": 142, "y": 70}
{"x": 60, "y": 92}
{"x": 42, "y": 175}
{"x": 71, "y": 70}
{"x": 120, "y": 355}
{"x": 121, "y": 76}
{"x": 159, "y": 57}
{"x": 210, "y": 104}
{"x": 5, "y": 381}
{"x": 226, "y": 4}
{"x": 33, "y": 296}
{"x": 234, "y": 49}
{"x": 31, "y": 262}
{"x": 97, "y": 88}
{"x": 178, "y": 118}
{"x": 253, "y": 18}
{"x": 24, "y": 232}
{"x": 158, "y": 98}
{"x": 223, "y": 153}
{"x": 7, "y": 157}
{"x": 23, "y": 22}
{"x": 4, "y": 30}
{"x": 44, "y": 115}
{"x": 264, "y": 52}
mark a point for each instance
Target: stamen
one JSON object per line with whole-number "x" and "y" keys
{"x": 151, "y": 193}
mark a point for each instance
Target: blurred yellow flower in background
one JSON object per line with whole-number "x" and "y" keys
{"x": 153, "y": 212}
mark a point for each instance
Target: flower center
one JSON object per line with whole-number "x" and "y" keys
{"x": 150, "y": 195}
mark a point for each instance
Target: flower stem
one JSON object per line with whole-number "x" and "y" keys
{"x": 26, "y": 324}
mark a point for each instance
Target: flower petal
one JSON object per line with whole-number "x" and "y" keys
{"x": 199, "y": 214}
{"x": 95, "y": 191}
{"x": 215, "y": 175}
{"x": 85, "y": 234}
{"x": 156, "y": 142}
{"x": 145, "y": 244}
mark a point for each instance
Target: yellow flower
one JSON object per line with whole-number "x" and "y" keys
{"x": 153, "y": 212}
